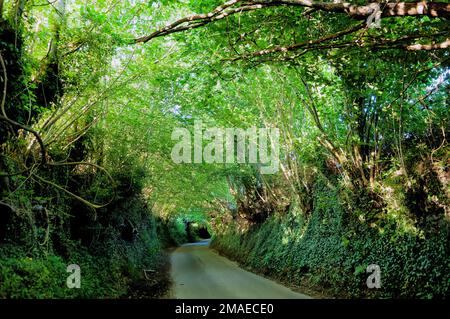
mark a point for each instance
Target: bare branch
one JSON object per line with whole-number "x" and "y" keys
{"x": 438, "y": 46}
{"x": 305, "y": 44}
{"x": 4, "y": 117}
{"x": 389, "y": 9}
{"x": 5, "y": 85}
{"x": 36, "y": 135}
{"x": 324, "y": 43}
{"x": 9, "y": 206}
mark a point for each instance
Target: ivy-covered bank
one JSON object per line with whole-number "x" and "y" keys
{"x": 328, "y": 252}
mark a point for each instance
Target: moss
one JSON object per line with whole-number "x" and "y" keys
{"x": 332, "y": 251}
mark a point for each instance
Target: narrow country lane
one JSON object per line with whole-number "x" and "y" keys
{"x": 199, "y": 272}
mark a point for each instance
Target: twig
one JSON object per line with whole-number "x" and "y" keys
{"x": 5, "y": 85}
{"x": 9, "y": 206}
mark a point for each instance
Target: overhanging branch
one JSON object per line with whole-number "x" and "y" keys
{"x": 301, "y": 45}
{"x": 328, "y": 42}
{"x": 362, "y": 12}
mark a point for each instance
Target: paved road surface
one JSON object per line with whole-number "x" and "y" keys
{"x": 199, "y": 272}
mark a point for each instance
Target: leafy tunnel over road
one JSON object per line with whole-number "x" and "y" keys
{"x": 91, "y": 93}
